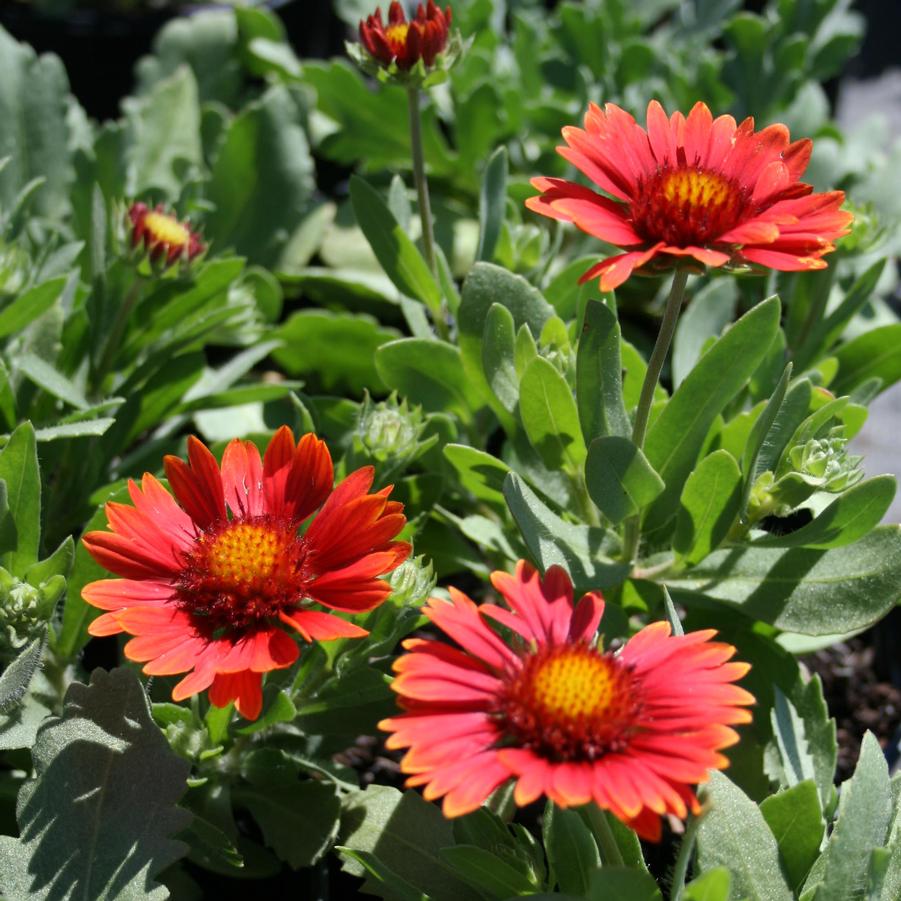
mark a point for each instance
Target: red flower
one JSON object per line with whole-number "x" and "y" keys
{"x": 630, "y": 731}
{"x": 403, "y": 42}
{"x": 218, "y": 596}
{"x": 698, "y": 187}
{"x": 162, "y": 235}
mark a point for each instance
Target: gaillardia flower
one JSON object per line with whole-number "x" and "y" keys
{"x": 404, "y": 43}
{"x": 215, "y": 581}
{"x": 691, "y": 189}
{"x": 630, "y": 731}
{"x": 162, "y": 235}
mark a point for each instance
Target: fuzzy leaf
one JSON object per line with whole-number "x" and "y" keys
{"x": 710, "y": 503}
{"x": 796, "y": 820}
{"x": 97, "y": 820}
{"x": 733, "y": 834}
{"x": 619, "y": 478}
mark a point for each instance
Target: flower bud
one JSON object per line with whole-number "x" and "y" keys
{"x": 162, "y": 236}
{"x": 825, "y": 464}
{"x": 25, "y": 609}
{"x": 412, "y": 582}
{"x": 407, "y": 51}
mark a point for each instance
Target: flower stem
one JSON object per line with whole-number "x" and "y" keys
{"x": 115, "y": 333}
{"x": 597, "y": 822}
{"x": 685, "y": 848}
{"x": 651, "y": 377}
{"x": 422, "y": 194}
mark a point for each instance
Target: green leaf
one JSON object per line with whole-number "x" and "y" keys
{"x": 19, "y": 727}
{"x": 34, "y": 105}
{"x": 492, "y": 203}
{"x": 796, "y": 820}
{"x": 599, "y": 377}
{"x": 262, "y": 180}
{"x": 710, "y": 503}
{"x": 390, "y": 885}
{"x": 826, "y": 330}
{"x": 86, "y": 429}
{"x": 407, "y": 835}
{"x": 815, "y": 592}
{"x": 88, "y": 795}
{"x": 478, "y": 471}
{"x": 676, "y": 437}
{"x": 163, "y": 130}
{"x": 864, "y": 812}
{"x": 398, "y": 255}
{"x": 761, "y": 429}
{"x": 485, "y": 285}
{"x": 619, "y": 478}
{"x": 792, "y": 411}
{"x": 714, "y": 885}
{"x": 426, "y": 372}
{"x": 550, "y": 539}
{"x": 281, "y": 710}
{"x": 498, "y": 358}
{"x": 733, "y": 834}
{"x": 17, "y": 676}
{"x": 571, "y": 850}
{"x": 336, "y": 348}
{"x": 624, "y": 884}
{"x": 709, "y": 312}
{"x": 29, "y": 306}
{"x": 77, "y": 613}
{"x": 20, "y": 526}
{"x": 851, "y": 516}
{"x": 350, "y": 705}
{"x": 549, "y": 416}
{"x": 299, "y": 820}
{"x": 874, "y": 354}
{"x": 490, "y": 875}
{"x": 51, "y": 380}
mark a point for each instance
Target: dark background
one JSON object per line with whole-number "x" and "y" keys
{"x": 99, "y": 49}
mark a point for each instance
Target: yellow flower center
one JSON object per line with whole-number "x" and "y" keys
{"x": 396, "y": 35}
{"x": 247, "y": 553}
{"x": 696, "y": 188}
{"x": 570, "y": 703}
{"x": 243, "y": 572}
{"x": 166, "y": 229}
{"x": 573, "y": 684}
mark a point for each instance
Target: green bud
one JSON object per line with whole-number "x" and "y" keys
{"x": 25, "y": 609}
{"x": 389, "y": 429}
{"x": 825, "y": 464}
{"x": 412, "y": 582}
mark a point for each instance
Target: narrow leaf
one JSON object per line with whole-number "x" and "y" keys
{"x": 492, "y": 202}
{"x": 599, "y": 375}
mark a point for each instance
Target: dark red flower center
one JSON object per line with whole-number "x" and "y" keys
{"x": 570, "y": 703}
{"x": 243, "y": 572}
{"x": 687, "y": 206}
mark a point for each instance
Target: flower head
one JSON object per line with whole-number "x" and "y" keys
{"x": 630, "y": 731}
{"x": 215, "y": 581}
{"x": 693, "y": 189}
{"x": 162, "y": 235}
{"x": 404, "y": 42}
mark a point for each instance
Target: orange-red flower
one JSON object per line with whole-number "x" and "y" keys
{"x": 162, "y": 235}
{"x": 630, "y": 731}
{"x": 406, "y": 42}
{"x": 216, "y": 580}
{"x": 697, "y": 187}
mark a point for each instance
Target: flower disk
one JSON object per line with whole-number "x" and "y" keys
{"x": 569, "y": 703}
{"x": 216, "y": 580}
{"x": 163, "y": 236}
{"x": 691, "y": 190}
{"x": 631, "y": 731}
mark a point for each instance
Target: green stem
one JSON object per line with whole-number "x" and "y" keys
{"x": 115, "y": 334}
{"x": 603, "y": 835}
{"x": 646, "y": 400}
{"x": 422, "y": 194}
{"x": 680, "y": 871}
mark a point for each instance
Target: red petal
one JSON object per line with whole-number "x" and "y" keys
{"x": 242, "y": 478}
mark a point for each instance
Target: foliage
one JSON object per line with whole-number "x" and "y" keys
{"x": 495, "y": 394}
